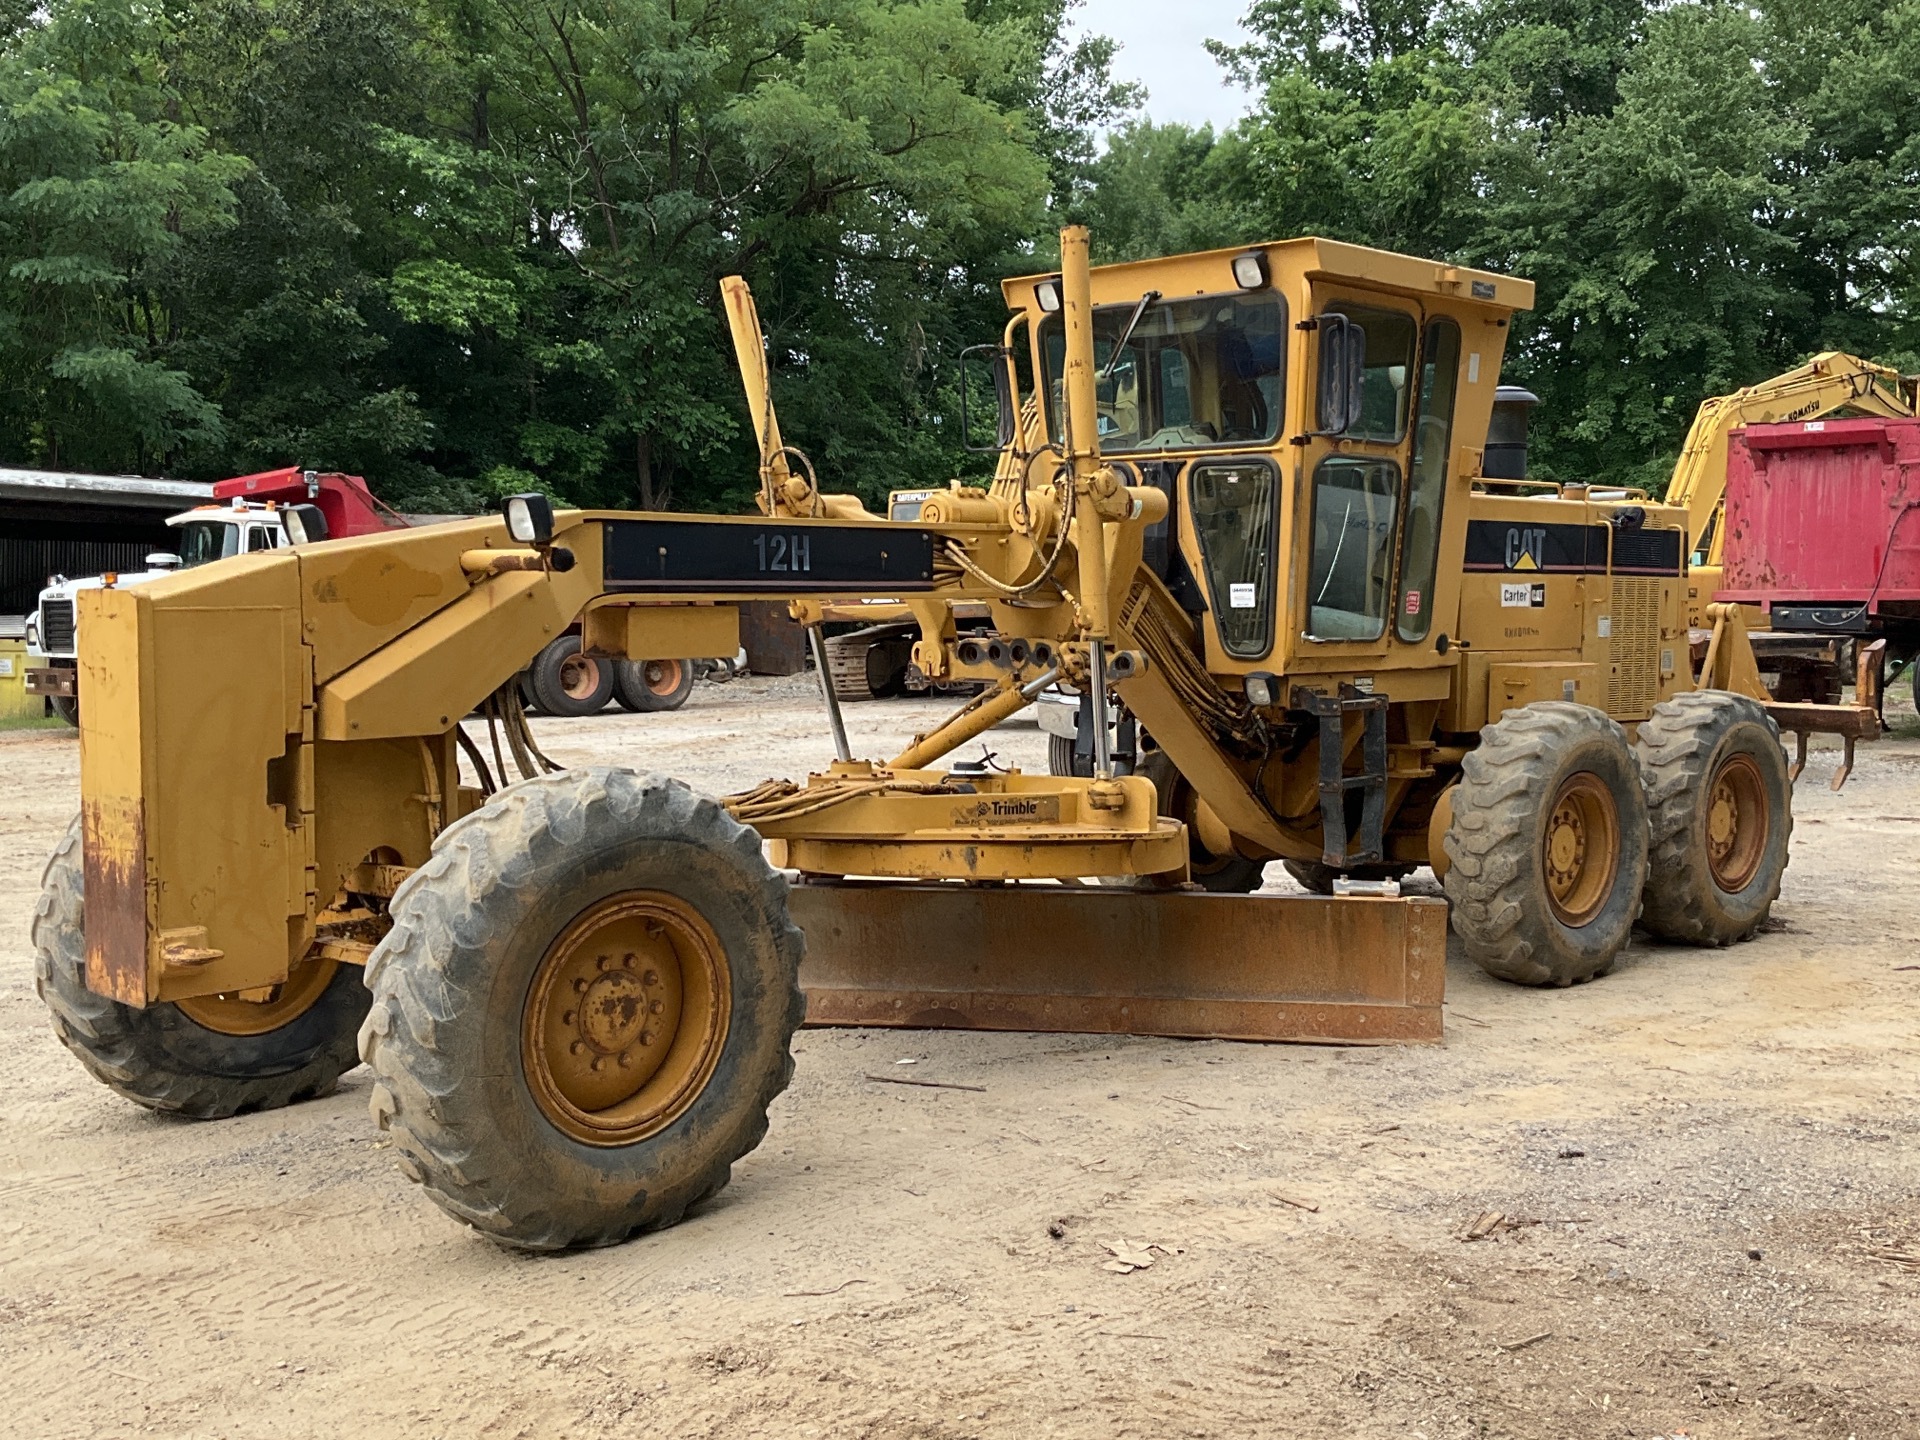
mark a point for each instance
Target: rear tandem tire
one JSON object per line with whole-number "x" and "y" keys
{"x": 1548, "y": 845}
{"x": 649, "y": 685}
{"x": 565, "y": 682}
{"x": 576, "y": 925}
{"x": 160, "y": 1056}
{"x": 1720, "y": 813}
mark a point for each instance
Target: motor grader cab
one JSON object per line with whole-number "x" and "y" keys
{"x": 1237, "y": 509}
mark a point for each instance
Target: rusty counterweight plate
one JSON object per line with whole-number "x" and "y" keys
{"x": 1117, "y": 962}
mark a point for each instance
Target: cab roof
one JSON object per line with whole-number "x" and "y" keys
{"x": 1210, "y": 272}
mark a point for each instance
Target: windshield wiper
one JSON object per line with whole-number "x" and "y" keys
{"x": 1127, "y": 334}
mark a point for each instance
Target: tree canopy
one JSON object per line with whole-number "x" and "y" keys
{"x": 470, "y": 246}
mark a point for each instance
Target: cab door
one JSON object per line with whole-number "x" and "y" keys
{"x": 1355, "y": 472}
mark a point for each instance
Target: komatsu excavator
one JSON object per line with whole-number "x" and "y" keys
{"x": 1238, "y": 507}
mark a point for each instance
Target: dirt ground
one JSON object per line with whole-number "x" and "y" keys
{"x": 1714, "y": 1152}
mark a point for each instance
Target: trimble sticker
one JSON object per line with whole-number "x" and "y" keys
{"x": 1007, "y": 810}
{"x": 1519, "y": 597}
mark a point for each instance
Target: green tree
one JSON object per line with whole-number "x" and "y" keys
{"x": 101, "y": 185}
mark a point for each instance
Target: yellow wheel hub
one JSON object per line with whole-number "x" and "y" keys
{"x": 1581, "y": 849}
{"x": 1737, "y": 823}
{"x": 284, "y": 1003}
{"x": 626, "y": 1018}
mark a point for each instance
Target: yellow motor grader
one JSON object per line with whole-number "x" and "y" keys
{"x": 1238, "y": 508}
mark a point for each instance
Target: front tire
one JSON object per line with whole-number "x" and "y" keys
{"x": 583, "y": 1008}
{"x": 1720, "y": 813}
{"x": 205, "y": 1059}
{"x": 1548, "y": 845}
{"x": 1216, "y": 874}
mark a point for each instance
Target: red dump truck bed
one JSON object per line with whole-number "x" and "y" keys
{"x": 1823, "y": 513}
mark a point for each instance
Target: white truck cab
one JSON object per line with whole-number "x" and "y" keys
{"x": 205, "y": 533}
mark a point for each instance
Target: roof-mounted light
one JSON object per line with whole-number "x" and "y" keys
{"x": 1047, "y": 292}
{"x": 1250, "y": 270}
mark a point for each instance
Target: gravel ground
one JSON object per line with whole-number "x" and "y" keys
{"x": 1705, "y": 1162}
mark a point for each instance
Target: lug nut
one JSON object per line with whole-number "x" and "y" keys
{"x": 652, "y": 977}
{"x": 646, "y": 1037}
{"x": 568, "y": 1017}
{"x": 576, "y": 1047}
{"x": 657, "y": 1006}
{"x": 579, "y": 987}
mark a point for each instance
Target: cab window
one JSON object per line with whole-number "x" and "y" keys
{"x": 1194, "y": 373}
{"x": 1354, "y": 504}
{"x": 1427, "y": 486}
{"x": 1233, "y": 505}
{"x": 205, "y": 540}
{"x": 1386, "y": 394}
{"x": 259, "y": 537}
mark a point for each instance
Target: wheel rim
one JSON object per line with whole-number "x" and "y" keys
{"x": 1581, "y": 848}
{"x": 662, "y": 677}
{"x": 1736, "y": 823}
{"x": 626, "y": 1018}
{"x": 580, "y": 676}
{"x": 230, "y": 1015}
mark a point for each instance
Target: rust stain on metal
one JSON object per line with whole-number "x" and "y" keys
{"x": 1113, "y": 962}
{"x": 114, "y": 846}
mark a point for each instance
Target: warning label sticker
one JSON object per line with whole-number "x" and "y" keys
{"x": 1524, "y": 596}
{"x": 1241, "y": 597}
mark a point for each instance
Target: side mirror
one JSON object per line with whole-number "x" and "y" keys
{"x": 1343, "y": 373}
{"x": 529, "y": 518}
{"x": 304, "y": 524}
{"x": 998, "y": 358}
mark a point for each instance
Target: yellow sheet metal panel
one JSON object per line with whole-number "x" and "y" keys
{"x": 361, "y": 592}
{"x": 423, "y": 682}
{"x": 116, "y": 744}
{"x": 661, "y": 632}
{"x": 1511, "y": 686}
{"x": 186, "y": 850}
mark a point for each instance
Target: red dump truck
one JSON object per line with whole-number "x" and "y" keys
{"x": 1822, "y": 532}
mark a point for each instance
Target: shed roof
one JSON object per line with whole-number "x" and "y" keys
{"x": 56, "y": 487}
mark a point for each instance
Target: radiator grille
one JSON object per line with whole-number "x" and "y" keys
{"x": 1635, "y": 677}
{"x": 56, "y": 627}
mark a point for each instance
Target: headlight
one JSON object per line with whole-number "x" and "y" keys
{"x": 529, "y": 518}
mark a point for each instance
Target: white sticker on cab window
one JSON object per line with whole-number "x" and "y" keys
{"x": 1241, "y": 597}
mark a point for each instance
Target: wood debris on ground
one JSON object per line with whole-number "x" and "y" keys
{"x": 1129, "y": 1257}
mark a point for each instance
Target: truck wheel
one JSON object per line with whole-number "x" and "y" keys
{"x": 1548, "y": 845}
{"x": 1319, "y": 878}
{"x": 565, "y": 682}
{"x": 652, "y": 684}
{"x": 1061, "y": 759}
{"x": 1719, "y": 810}
{"x": 67, "y": 707}
{"x": 583, "y": 1008}
{"x": 1219, "y": 874}
{"x": 206, "y": 1058}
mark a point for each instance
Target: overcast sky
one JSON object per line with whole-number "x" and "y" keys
{"x": 1162, "y": 45}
